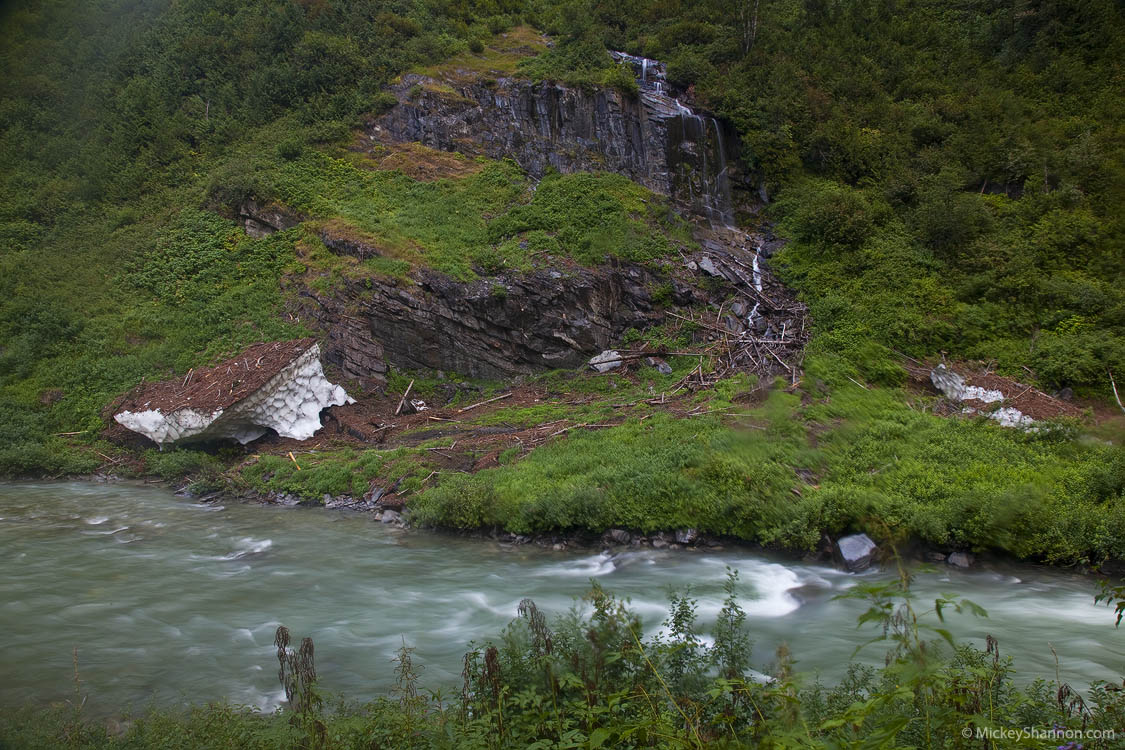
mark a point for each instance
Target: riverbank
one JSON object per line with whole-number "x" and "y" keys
{"x": 571, "y": 457}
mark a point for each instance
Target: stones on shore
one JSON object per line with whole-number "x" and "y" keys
{"x": 617, "y": 536}
{"x": 686, "y": 536}
{"x": 857, "y": 551}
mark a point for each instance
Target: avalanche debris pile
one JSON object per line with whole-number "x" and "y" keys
{"x": 277, "y": 385}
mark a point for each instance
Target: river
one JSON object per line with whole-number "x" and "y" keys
{"x": 170, "y": 601}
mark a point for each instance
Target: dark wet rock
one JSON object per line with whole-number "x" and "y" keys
{"x": 857, "y": 551}
{"x": 690, "y": 157}
{"x": 437, "y": 323}
{"x": 618, "y": 536}
{"x": 732, "y": 324}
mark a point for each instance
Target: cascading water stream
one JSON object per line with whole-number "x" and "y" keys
{"x": 713, "y": 197}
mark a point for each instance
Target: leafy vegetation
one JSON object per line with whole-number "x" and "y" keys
{"x": 488, "y": 221}
{"x": 856, "y": 459}
{"x": 949, "y": 176}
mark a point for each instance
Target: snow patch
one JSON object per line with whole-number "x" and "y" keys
{"x": 290, "y": 403}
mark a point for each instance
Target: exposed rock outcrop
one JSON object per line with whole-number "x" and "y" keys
{"x": 277, "y": 385}
{"x": 541, "y": 320}
{"x": 260, "y": 218}
{"x": 652, "y": 139}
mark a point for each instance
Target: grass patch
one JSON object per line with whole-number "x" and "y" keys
{"x": 498, "y": 58}
{"x": 347, "y": 471}
{"x": 483, "y": 222}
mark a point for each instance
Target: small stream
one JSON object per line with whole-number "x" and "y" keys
{"x": 170, "y": 601}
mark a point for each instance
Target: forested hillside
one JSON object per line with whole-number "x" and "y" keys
{"x": 949, "y": 176}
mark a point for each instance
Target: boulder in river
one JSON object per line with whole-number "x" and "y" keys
{"x": 960, "y": 560}
{"x": 857, "y": 551}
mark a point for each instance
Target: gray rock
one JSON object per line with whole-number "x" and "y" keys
{"x": 708, "y": 267}
{"x": 686, "y": 536}
{"x": 618, "y": 536}
{"x": 390, "y": 516}
{"x": 960, "y": 560}
{"x": 662, "y": 367}
{"x": 857, "y": 551}
{"x": 606, "y": 361}
{"x": 935, "y": 557}
{"x": 262, "y": 219}
{"x": 732, "y": 324}
{"x": 658, "y": 543}
{"x": 543, "y": 126}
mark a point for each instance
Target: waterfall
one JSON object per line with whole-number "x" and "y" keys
{"x": 722, "y": 180}
{"x": 712, "y": 198}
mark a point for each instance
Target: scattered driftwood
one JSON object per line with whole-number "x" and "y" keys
{"x": 482, "y": 403}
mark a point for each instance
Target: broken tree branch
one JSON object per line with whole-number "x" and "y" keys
{"x": 482, "y": 403}
{"x": 402, "y": 400}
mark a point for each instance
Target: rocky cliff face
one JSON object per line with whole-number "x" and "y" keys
{"x": 555, "y": 317}
{"x": 499, "y": 327}
{"x": 651, "y": 138}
